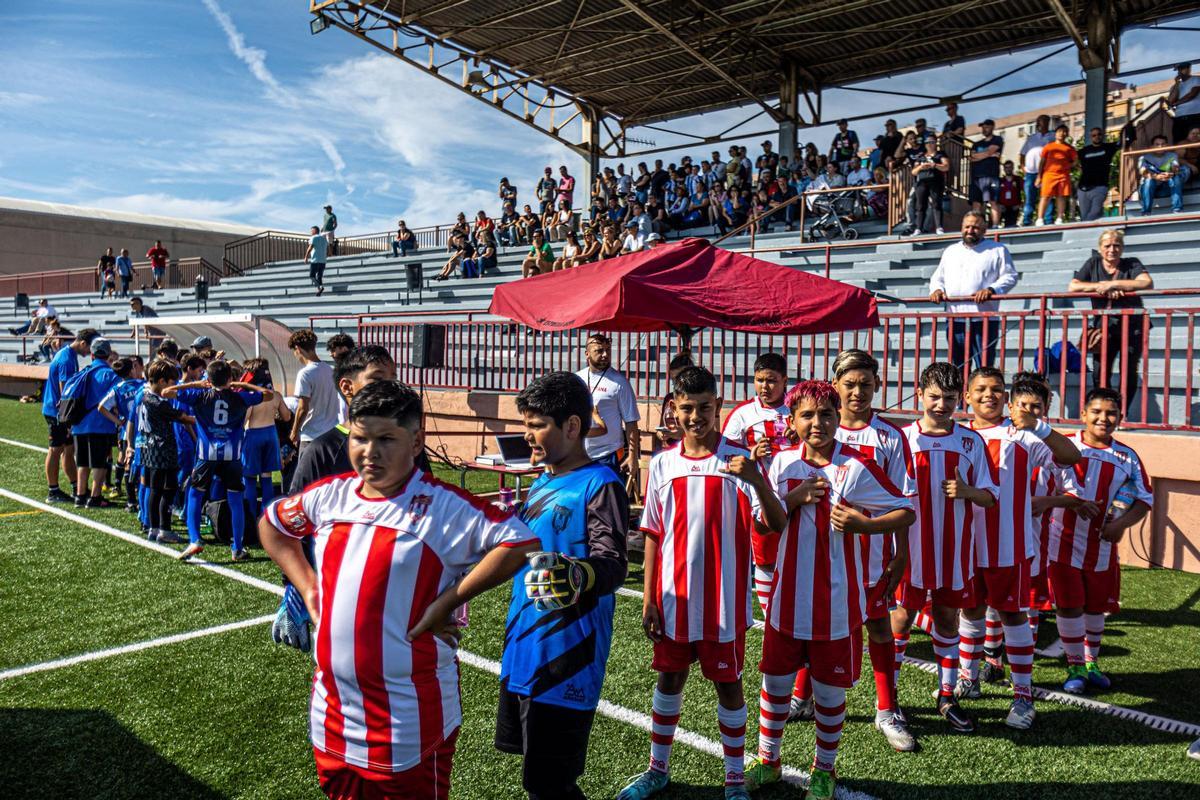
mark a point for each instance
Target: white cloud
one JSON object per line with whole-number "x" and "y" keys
{"x": 253, "y": 57}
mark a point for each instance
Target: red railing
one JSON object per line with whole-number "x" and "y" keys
{"x": 505, "y": 356}
{"x": 181, "y": 273}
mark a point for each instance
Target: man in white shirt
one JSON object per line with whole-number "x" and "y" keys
{"x": 632, "y": 243}
{"x": 1184, "y": 100}
{"x": 978, "y": 269}
{"x": 317, "y": 397}
{"x": 637, "y": 213}
{"x": 1031, "y": 155}
{"x": 37, "y": 319}
{"x": 614, "y": 407}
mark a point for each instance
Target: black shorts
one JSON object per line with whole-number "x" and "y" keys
{"x": 553, "y": 739}
{"x": 166, "y": 480}
{"x": 94, "y": 450}
{"x": 60, "y": 432}
{"x": 230, "y": 473}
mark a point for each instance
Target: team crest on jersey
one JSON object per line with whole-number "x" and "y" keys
{"x": 291, "y": 514}
{"x": 967, "y": 443}
{"x": 418, "y": 506}
{"x": 839, "y": 477}
{"x": 560, "y": 518}
{"x": 882, "y": 434}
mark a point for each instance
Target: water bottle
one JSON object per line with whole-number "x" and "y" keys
{"x": 780, "y": 440}
{"x": 1124, "y": 498}
{"x": 507, "y": 499}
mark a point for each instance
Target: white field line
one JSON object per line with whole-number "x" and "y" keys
{"x": 1121, "y": 712}
{"x": 617, "y": 712}
{"x": 25, "y": 445}
{"x": 96, "y": 655}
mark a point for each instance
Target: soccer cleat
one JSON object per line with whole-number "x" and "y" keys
{"x": 958, "y": 719}
{"x": 895, "y": 731}
{"x": 736, "y": 793}
{"x": 899, "y": 715}
{"x": 759, "y": 774}
{"x": 967, "y": 689}
{"x": 990, "y": 672}
{"x": 648, "y": 784}
{"x": 170, "y": 537}
{"x": 191, "y": 550}
{"x": 801, "y": 710}
{"x": 131, "y": 508}
{"x": 150, "y": 534}
{"x": 821, "y": 785}
{"x": 1076, "y": 680}
{"x": 98, "y": 502}
{"x": 1053, "y": 650}
{"x": 1021, "y": 715}
{"x": 57, "y": 495}
{"x": 1097, "y": 679}
{"x": 241, "y": 555}
{"x": 80, "y": 501}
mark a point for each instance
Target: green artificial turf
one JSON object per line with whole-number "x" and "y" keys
{"x": 225, "y": 715}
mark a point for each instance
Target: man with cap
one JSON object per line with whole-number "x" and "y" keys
{"x": 767, "y": 161}
{"x": 844, "y": 150}
{"x": 200, "y": 344}
{"x": 633, "y": 242}
{"x": 877, "y": 157}
{"x": 654, "y": 240}
{"x": 95, "y": 435}
{"x": 1184, "y": 100}
{"x": 985, "y": 170}
{"x": 328, "y": 227}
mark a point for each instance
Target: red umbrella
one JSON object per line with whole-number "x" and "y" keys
{"x": 682, "y": 287}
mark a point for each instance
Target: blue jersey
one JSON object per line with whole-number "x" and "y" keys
{"x": 99, "y": 381}
{"x": 64, "y": 364}
{"x": 220, "y": 421}
{"x": 140, "y": 425}
{"x": 122, "y": 399}
{"x": 558, "y": 657}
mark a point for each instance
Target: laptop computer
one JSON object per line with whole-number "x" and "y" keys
{"x": 514, "y": 450}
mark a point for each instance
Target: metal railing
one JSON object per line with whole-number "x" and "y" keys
{"x": 252, "y": 252}
{"x": 181, "y": 273}
{"x": 504, "y": 356}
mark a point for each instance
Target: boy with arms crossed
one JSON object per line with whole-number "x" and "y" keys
{"x": 154, "y": 437}
{"x": 702, "y": 498}
{"x": 831, "y": 493}
{"x": 1115, "y": 495}
{"x": 950, "y": 471}
{"x": 560, "y": 620}
{"x": 1005, "y": 544}
{"x": 392, "y": 544}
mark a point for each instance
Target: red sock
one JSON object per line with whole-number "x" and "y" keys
{"x": 883, "y": 664}
{"x": 803, "y": 688}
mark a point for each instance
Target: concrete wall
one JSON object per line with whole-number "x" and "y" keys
{"x": 463, "y": 423}
{"x": 35, "y": 241}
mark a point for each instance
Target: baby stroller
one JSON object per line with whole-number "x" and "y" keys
{"x": 829, "y": 210}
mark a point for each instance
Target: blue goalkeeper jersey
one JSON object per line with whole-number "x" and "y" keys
{"x": 558, "y": 657}
{"x": 220, "y": 421}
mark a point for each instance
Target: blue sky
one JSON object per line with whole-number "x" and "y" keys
{"x": 214, "y": 109}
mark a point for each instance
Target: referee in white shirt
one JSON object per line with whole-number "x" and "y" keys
{"x": 978, "y": 269}
{"x": 615, "y": 405}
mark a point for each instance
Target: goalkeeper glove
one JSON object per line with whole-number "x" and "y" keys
{"x": 291, "y": 621}
{"x": 556, "y": 581}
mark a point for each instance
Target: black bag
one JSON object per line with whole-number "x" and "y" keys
{"x": 217, "y": 512}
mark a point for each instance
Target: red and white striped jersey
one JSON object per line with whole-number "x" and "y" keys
{"x": 1097, "y": 476}
{"x": 379, "y": 701}
{"x": 701, "y": 519}
{"x": 818, "y": 591}
{"x": 750, "y": 421}
{"x": 941, "y": 552}
{"x": 887, "y": 445}
{"x": 1004, "y": 533}
{"x": 1043, "y": 483}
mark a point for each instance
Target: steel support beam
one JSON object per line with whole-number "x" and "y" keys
{"x": 789, "y": 109}
{"x": 591, "y": 153}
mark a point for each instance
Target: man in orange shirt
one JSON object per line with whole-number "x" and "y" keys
{"x": 1054, "y": 178}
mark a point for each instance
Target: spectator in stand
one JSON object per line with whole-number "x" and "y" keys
{"x": 613, "y": 214}
{"x": 677, "y": 211}
{"x": 877, "y": 199}
{"x": 314, "y": 256}
{"x": 624, "y": 186}
{"x": 508, "y": 194}
{"x": 527, "y": 223}
{"x": 979, "y": 269}
{"x": 1058, "y": 159}
{"x": 139, "y": 310}
{"x": 1161, "y": 176}
{"x": 564, "y": 222}
{"x": 610, "y": 244}
{"x": 716, "y": 168}
{"x": 1031, "y": 153}
{"x": 779, "y": 200}
{"x": 329, "y": 228}
{"x": 745, "y": 167}
{"x": 53, "y": 340}
{"x": 569, "y": 253}
{"x": 540, "y": 258}
{"x": 985, "y": 169}
{"x": 875, "y": 157}
{"x": 810, "y": 163}
{"x": 546, "y": 189}
{"x": 890, "y": 146}
{"x": 718, "y": 201}
{"x": 1095, "y": 166}
{"x": 482, "y": 223}
{"x": 637, "y": 213}
{"x": 929, "y": 175}
{"x": 405, "y": 241}
{"x": 955, "y": 124}
{"x": 37, "y": 319}
{"x": 1189, "y": 157}
{"x": 485, "y": 248}
{"x": 657, "y": 215}
{"x": 1010, "y": 196}
{"x": 461, "y": 228}
{"x": 507, "y": 227}
{"x": 158, "y": 256}
{"x": 1184, "y": 100}
{"x": 318, "y": 402}
{"x": 767, "y": 161}
{"x": 641, "y": 183}
{"x": 632, "y": 241}
{"x": 659, "y": 178}
{"x": 106, "y": 273}
{"x": 1116, "y": 279}
{"x": 464, "y": 252}
{"x": 125, "y": 271}
{"x": 338, "y": 345}
{"x": 844, "y": 149}
{"x": 589, "y": 250}
{"x": 923, "y": 132}
{"x": 566, "y": 188}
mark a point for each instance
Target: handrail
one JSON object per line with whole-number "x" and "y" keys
{"x": 755, "y": 220}
{"x": 1130, "y": 177}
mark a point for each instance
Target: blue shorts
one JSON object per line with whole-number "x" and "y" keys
{"x": 260, "y": 451}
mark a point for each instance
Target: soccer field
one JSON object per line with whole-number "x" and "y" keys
{"x": 125, "y": 674}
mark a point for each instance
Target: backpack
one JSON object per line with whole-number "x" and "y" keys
{"x": 72, "y": 403}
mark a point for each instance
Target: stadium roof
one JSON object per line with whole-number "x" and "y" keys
{"x": 633, "y": 63}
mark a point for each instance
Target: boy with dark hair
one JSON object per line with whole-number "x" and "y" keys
{"x": 832, "y": 493}
{"x": 118, "y": 407}
{"x": 1004, "y": 540}
{"x": 338, "y": 345}
{"x": 386, "y": 706}
{"x": 760, "y": 425}
{"x": 63, "y": 365}
{"x": 168, "y": 349}
{"x": 702, "y": 499}
{"x": 950, "y": 471}
{"x": 317, "y": 402}
{"x": 220, "y": 405}
{"x": 151, "y": 429}
{"x": 884, "y": 558}
{"x": 95, "y": 435}
{"x": 1115, "y": 494}
{"x": 551, "y": 674}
